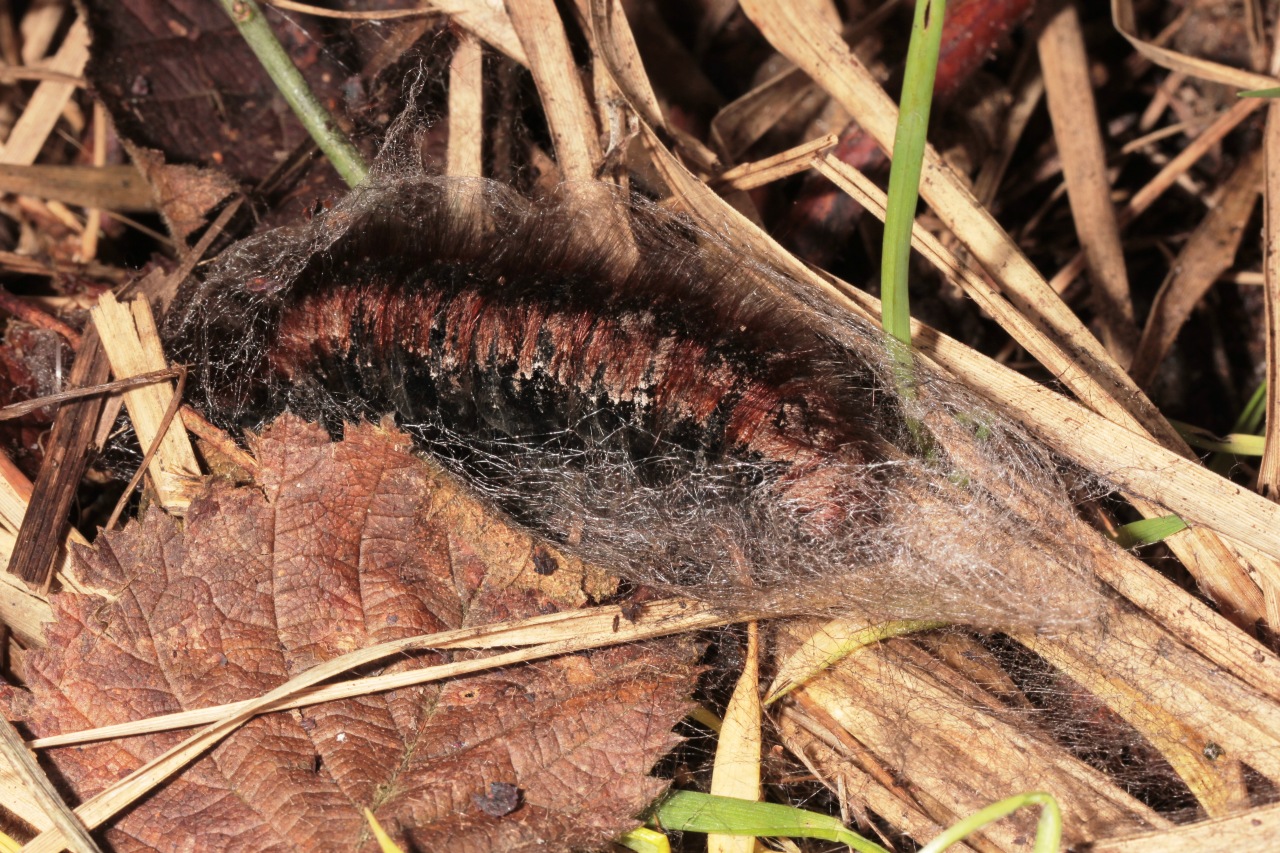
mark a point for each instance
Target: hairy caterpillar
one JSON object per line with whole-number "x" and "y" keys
{"x": 633, "y": 390}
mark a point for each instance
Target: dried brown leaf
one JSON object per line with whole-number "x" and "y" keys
{"x": 344, "y": 545}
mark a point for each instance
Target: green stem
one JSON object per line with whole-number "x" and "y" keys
{"x": 249, "y": 20}
{"x": 908, "y": 155}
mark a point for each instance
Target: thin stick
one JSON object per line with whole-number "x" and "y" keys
{"x": 17, "y": 410}
{"x": 30, "y": 313}
{"x": 175, "y": 403}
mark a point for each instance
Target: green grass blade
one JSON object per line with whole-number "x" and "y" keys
{"x": 690, "y": 811}
{"x": 908, "y": 155}
{"x": 1149, "y": 531}
{"x": 1048, "y": 831}
{"x": 1236, "y": 443}
{"x": 1254, "y": 411}
{"x": 643, "y": 840}
{"x": 1249, "y": 422}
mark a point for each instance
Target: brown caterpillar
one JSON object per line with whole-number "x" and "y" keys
{"x": 638, "y": 391}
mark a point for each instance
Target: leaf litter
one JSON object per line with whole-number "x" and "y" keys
{"x": 340, "y": 546}
{"x": 1182, "y": 682}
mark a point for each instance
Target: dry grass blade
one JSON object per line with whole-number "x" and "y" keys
{"x": 466, "y": 102}
{"x": 93, "y": 218}
{"x": 615, "y": 46}
{"x": 1026, "y": 97}
{"x": 1218, "y": 783}
{"x": 1122, "y": 14}
{"x": 744, "y": 121}
{"x": 1269, "y": 469}
{"x": 1204, "y": 258}
{"x": 784, "y": 164}
{"x": 822, "y": 752}
{"x": 1197, "y": 624}
{"x": 961, "y": 755}
{"x": 736, "y": 772}
{"x": 569, "y": 116}
{"x": 45, "y": 107}
{"x": 34, "y": 780}
{"x": 558, "y": 627}
{"x": 1065, "y": 67}
{"x": 103, "y": 806}
{"x": 110, "y": 187}
{"x": 486, "y": 20}
{"x": 1220, "y": 835}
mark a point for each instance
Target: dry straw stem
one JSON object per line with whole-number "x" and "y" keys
{"x": 110, "y": 187}
{"x": 820, "y": 751}
{"x": 45, "y": 107}
{"x": 93, "y": 216}
{"x": 1197, "y": 491}
{"x": 1238, "y": 832}
{"x": 1206, "y": 255}
{"x": 1069, "y": 90}
{"x": 33, "y": 781}
{"x": 1269, "y": 469}
{"x": 38, "y": 27}
{"x": 16, "y": 74}
{"x": 742, "y": 122}
{"x": 133, "y": 346}
{"x": 1218, "y": 784}
{"x": 17, "y": 410}
{"x": 466, "y": 101}
{"x": 964, "y": 752}
{"x": 672, "y": 618}
{"x": 1027, "y": 89}
{"x": 487, "y": 21}
{"x": 1027, "y": 334}
{"x": 553, "y": 628}
{"x": 615, "y": 45}
{"x": 736, "y": 772}
{"x": 613, "y": 118}
{"x": 1172, "y": 172}
{"x": 830, "y": 644}
{"x": 1155, "y": 109}
{"x": 748, "y": 176}
{"x": 569, "y": 117}
{"x": 1125, "y": 20}
{"x": 1090, "y": 373}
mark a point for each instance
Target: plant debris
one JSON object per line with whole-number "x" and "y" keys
{"x": 340, "y": 546}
